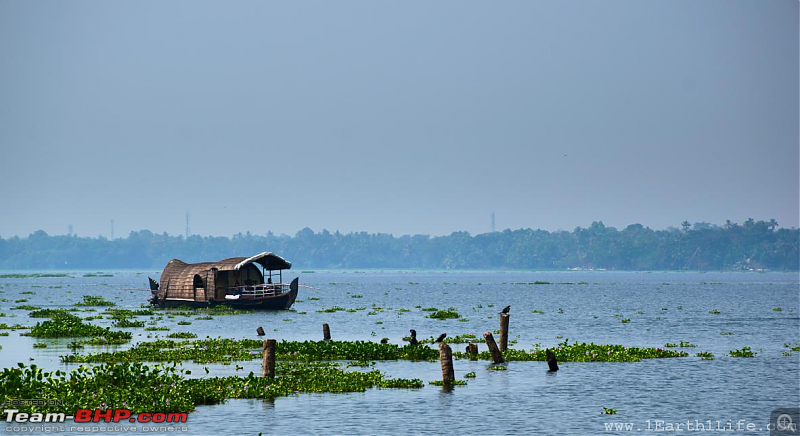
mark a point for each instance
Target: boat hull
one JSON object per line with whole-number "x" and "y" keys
{"x": 282, "y": 301}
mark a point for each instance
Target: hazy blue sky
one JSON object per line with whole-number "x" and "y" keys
{"x": 403, "y": 117}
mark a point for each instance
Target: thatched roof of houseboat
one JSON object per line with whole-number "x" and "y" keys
{"x": 180, "y": 279}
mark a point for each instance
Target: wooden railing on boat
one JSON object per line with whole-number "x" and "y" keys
{"x": 255, "y": 291}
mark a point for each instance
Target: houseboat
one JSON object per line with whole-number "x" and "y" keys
{"x": 242, "y": 282}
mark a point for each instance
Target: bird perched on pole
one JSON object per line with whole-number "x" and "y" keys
{"x": 505, "y": 311}
{"x": 440, "y": 338}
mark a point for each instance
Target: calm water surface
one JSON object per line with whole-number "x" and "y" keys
{"x": 582, "y": 306}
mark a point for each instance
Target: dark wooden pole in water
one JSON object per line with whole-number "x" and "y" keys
{"x": 326, "y": 332}
{"x": 552, "y": 362}
{"x": 268, "y": 359}
{"x": 446, "y": 356}
{"x": 472, "y": 348}
{"x": 503, "y": 331}
{"x": 497, "y": 357}
{"x": 260, "y": 331}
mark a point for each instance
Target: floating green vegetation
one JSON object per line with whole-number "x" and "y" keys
{"x": 726, "y": 333}
{"x": 206, "y": 318}
{"x": 227, "y": 350}
{"x": 681, "y": 344}
{"x": 625, "y": 320}
{"x": 470, "y": 374}
{"x": 356, "y": 296}
{"x": 127, "y": 323}
{"x": 356, "y": 310}
{"x": 46, "y": 313}
{"x": 27, "y": 293}
{"x": 94, "y": 300}
{"x": 189, "y": 311}
{"x": 40, "y": 345}
{"x": 447, "y": 382}
{"x": 332, "y": 309}
{"x": 609, "y": 411}
{"x": 32, "y": 276}
{"x": 715, "y": 311}
{"x": 25, "y": 307}
{"x": 744, "y": 352}
{"x": 21, "y": 300}
{"x": 497, "y": 368}
{"x": 777, "y": 309}
{"x": 184, "y": 323}
{"x": 68, "y": 325}
{"x": 450, "y": 313}
{"x": 457, "y": 339}
{"x": 705, "y": 355}
{"x": 157, "y": 329}
{"x": 429, "y": 309}
{"x": 795, "y": 348}
{"x": 313, "y": 299}
{"x": 540, "y": 312}
{"x": 142, "y": 388}
{"x": 4, "y": 326}
{"x": 101, "y": 340}
{"x": 182, "y": 335}
{"x": 127, "y": 313}
{"x": 98, "y": 274}
{"x": 583, "y": 352}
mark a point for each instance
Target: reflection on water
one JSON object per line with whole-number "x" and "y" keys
{"x": 525, "y": 399}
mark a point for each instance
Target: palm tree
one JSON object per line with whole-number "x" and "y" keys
{"x": 773, "y": 224}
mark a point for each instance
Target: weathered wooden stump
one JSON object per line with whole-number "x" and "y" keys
{"x": 472, "y": 348}
{"x": 497, "y": 356}
{"x": 446, "y": 356}
{"x": 268, "y": 359}
{"x": 503, "y": 331}
{"x": 260, "y": 331}
{"x": 552, "y": 362}
{"x": 326, "y": 332}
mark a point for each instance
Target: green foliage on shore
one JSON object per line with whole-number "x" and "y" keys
{"x": 750, "y": 245}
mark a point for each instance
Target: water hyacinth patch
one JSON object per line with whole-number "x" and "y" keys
{"x": 93, "y": 300}
{"x": 705, "y": 355}
{"x": 228, "y": 350}
{"x": 68, "y": 325}
{"x": 127, "y": 323}
{"x": 447, "y": 383}
{"x": 583, "y": 352}
{"x": 142, "y": 388}
{"x": 4, "y": 326}
{"x": 744, "y": 352}
{"x": 450, "y": 313}
{"x": 182, "y": 335}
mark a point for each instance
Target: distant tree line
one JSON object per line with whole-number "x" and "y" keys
{"x": 700, "y": 246}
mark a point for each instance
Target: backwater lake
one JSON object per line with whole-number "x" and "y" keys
{"x": 717, "y": 311}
